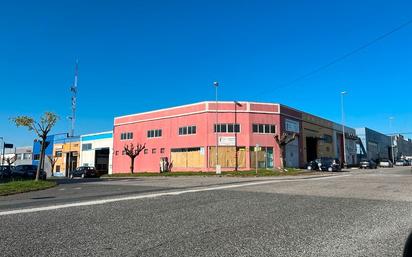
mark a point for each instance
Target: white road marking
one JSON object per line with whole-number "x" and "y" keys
{"x": 136, "y": 197}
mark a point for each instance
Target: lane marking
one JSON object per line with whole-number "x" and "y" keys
{"x": 172, "y": 193}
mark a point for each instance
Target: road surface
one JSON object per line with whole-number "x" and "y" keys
{"x": 356, "y": 213}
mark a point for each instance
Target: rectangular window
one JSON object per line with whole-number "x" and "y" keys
{"x": 37, "y": 157}
{"x": 261, "y": 128}
{"x": 57, "y": 168}
{"x": 193, "y": 129}
{"x": 145, "y": 151}
{"x": 237, "y": 128}
{"x": 230, "y": 128}
{"x": 255, "y": 128}
{"x": 58, "y": 153}
{"x": 185, "y": 131}
{"x": 223, "y": 128}
{"x": 267, "y": 128}
{"x": 272, "y": 129}
{"x": 85, "y": 147}
{"x": 154, "y": 150}
{"x": 162, "y": 150}
{"x": 180, "y": 131}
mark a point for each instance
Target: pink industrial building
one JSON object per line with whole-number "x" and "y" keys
{"x": 186, "y": 136}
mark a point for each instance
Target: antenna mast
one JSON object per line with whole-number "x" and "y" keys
{"x": 73, "y": 90}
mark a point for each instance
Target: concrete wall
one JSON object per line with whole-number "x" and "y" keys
{"x": 377, "y": 145}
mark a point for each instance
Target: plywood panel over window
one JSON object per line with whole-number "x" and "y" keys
{"x": 187, "y": 158}
{"x": 227, "y": 156}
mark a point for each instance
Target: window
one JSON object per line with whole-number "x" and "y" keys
{"x": 126, "y": 135}
{"x": 123, "y": 152}
{"x": 145, "y": 151}
{"x": 188, "y": 130}
{"x": 27, "y": 156}
{"x": 226, "y": 128}
{"x": 57, "y": 168}
{"x": 162, "y": 150}
{"x": 37, "y": 157}
{"x": 154, "y": 150}
{"x": 263, "y": 128}
{"x": 85, "y": 147}
{"x": 154, "y": 133}
{"x": 58, "y": 153}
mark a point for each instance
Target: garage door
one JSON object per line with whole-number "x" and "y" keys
{"x": 292, "y": 154}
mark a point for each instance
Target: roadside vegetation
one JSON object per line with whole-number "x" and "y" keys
{"x": 247, "y": 173}
{"x": 21, "y": 186}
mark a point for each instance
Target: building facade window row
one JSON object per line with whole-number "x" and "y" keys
{"x": 126, "y": 136}
{"x": 226, "y": 128}
{"x": 187, "y": 130}
{"x": 154, "y": 133}
{"x": 264, "y": 128}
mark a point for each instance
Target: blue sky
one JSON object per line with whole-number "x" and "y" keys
{"x": 141, "y": 55}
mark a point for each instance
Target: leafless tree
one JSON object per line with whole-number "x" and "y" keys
{"x": 52, "y": 160}
{"x": 282, "y": 140}
{"x": 133, "y": 151}
{"x": 11, "y": 160}
{"x": 41, "y": 128}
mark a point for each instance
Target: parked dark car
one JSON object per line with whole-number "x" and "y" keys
{"x": 368, "y": 164}
{"x": 27, "y": 172}
{"x": 324, "y": 164}
{"x": 84, "y": 172}
{"x": 5, "y": 172}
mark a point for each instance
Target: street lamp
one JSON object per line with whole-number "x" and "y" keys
{"x": 2, "y": 158}
{"x": 390, "y": 127}
{"x": 342, "y": 94}
{"x": 216, "y": 84}
{"x": 235, "y": 130}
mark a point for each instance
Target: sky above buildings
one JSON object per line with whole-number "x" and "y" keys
{"x": 137, "y": 56}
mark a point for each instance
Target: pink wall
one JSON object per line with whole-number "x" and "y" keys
{"x": 203, "y": 116}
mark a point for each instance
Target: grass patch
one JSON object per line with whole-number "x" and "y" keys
{"x": 243, "y": 173}
{"x": 15, "y": 187}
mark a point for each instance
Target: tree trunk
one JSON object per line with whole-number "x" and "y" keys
{"x": 282, "y": 158}
{"x": 43, "y": 147}
{"x": 131, "y": 165}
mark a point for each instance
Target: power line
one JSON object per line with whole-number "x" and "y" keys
{"x": 343, "y": 57}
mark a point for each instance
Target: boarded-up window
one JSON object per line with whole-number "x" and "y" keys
{"x": 227, "y": 156}
{"x": 187, "y": 157}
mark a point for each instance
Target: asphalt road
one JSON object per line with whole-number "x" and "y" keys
{"x": 357, "y": 213}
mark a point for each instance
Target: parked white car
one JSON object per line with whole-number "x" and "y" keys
{"x": 385, "y": 164}
{"x": 401, "y": 163}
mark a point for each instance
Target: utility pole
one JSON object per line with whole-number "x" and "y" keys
{"x": 235, "y": 130}
{"x": 390, "y": 127}
{"x": 73, "y": 90}
{"x": 216, "y": 84}
{"x": 342, "y": 94}
{"x": 2, "y": 157}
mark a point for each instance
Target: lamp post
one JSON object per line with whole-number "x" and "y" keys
{"x": 342, "y": 94}
{"x": 216, "y": 84}
{"x": 390, "y": 127}
{"x": 235, "y": 130}
{"x": 2, "y": 157}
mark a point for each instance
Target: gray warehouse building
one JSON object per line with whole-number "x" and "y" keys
{"x": 373, "y": 145}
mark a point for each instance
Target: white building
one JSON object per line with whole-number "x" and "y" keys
{"x": 97, "y": 151}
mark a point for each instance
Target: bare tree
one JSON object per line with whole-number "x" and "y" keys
{"x": 41, "y": 128}
{"x": 133, "y": 151}
{"x": 282, "y": 141}
{"x": 11, "y": 160}
{"x": 52, "y": 160}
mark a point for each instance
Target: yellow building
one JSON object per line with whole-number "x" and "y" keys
{"x": 66, "y": 153}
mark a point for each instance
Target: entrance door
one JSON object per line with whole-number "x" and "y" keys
{"x": 311, "y": 148}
